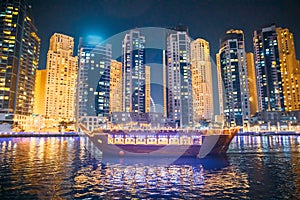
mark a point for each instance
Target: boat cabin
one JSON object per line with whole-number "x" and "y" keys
{"x": 155, "y": 138}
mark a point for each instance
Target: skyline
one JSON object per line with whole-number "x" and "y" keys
{"x": 205, "y": 19}
{"x": 171, "y": 49}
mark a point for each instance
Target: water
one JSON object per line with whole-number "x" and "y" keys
{"x": 256, "y": 167}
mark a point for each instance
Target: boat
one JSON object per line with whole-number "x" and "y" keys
{"x": 161, "y": 142}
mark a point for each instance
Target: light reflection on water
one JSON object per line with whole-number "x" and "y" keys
{"x": 257, "y": 167}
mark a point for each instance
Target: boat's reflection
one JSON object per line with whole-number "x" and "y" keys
{"x": 207, "y": 163}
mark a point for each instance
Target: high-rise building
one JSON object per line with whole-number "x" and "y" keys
{"x": 61, "y": 79}
{"x": 134, "y": 74}
{"x": 220, "y": 86}
{"x": 179, "y": 78}
{"x": 232, "y": 65}
{"x": 164, "y": 63}
{"x": 115, "y": 86}
{"x": 290, "y": 72}
{"x": 267, "y": 65}
{"x": 19, "y": 58}
{"x": 40, "y": 92}
{"x": 252, "y": 84}
{"x": 93, "y": 90}
{"x": 202, "y": 80}
{"x": 147, "y": 88}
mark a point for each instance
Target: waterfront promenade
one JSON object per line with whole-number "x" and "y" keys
{"x": 76, "y": 134}
{"x": 39, "y": 134}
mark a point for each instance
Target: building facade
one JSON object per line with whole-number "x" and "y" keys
{"x": 40, "y": 92}
{"x": 134, "y": 72}
{"x": 93, "y": 89}
{"x": 179, "y": 78}
{"x": 61, "y": 79}
{"x": 147, "y": 88}
{"x": 115, "y": 86}
{"x": 19, "y": 58}
{"x": 137, "y": 120}
{"x": 290, "y": 71}
{"x": 267, "y": 65}
{"x": 252, "y": 84}
{"x": 220, "y": 87}
{"x": 201, "y": 80}
{"x": 164, "y": 66}
{"x": 232, "y": 65}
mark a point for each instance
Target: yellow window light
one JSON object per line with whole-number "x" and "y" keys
{"x": 4, "y": 88}
{"x": 6, "y": 32}
{"x": 8, "y": 20}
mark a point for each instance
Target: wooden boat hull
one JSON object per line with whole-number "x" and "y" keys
{"x": 211, "y": 145}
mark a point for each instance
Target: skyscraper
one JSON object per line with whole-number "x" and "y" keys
{"x": 290, "y": 71}
{"x": 61, "y": 79}
{"x": 232, "y": 65}
{"x": 164, "y": 66}
{"x": 93, "y": 90}
{"x": 179, "y": 78}
{"x": 267, "y": 65}
{"x": 134, "y": 74}
{"x": 147, "y": 88}
{"x": 201, "y": 80}
{"x": 115, "y": 86}
{"x": 19, "y": 57}
{"x": 40, "y": 92}
{"x": 252, "y": 84}
{"x": 220, "y": 86}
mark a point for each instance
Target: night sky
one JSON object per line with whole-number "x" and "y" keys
{"x": 205, "y": 19}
